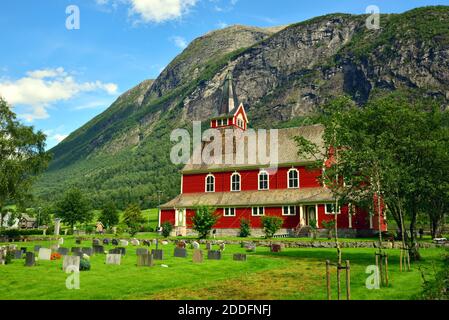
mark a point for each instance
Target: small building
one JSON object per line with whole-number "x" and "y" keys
{"x": 27, "y": 222}
{"x": 251, "y": 190}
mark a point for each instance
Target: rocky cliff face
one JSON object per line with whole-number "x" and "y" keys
{"x": 279, "y": 73}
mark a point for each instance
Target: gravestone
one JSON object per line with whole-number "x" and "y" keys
{"x": 18, "y": 254}
{"x": 147, "y": 243}
{"x": 276, "y": 248}
{"x": 180, "y": 253}
{"x": 250, "y": 247}
{"x": 96, "y": 242}
{"x": 12, "y": 247}
{"x": 30, "y": 259}
{"x": 208, "y": 246}
{"x": 122, "y": 251}
{"x": 141, "y": 251}
{"x": 44, "y": 254}
{"x": 106, "y": 242}
{"x": 135, "y": 242}
{"x": 54, "y": 247}
{"x": 195, "y": 245}
{"x": 214, "y": 255}
{"x": 71, "y": 261}
{"x": 198, "y": 256}
{"x": 61, "y": 241}
{"x": 155, "y": 241}
{"x": 23, "y": 249}
{"x": 63, "y": 251}
{"x": 113, "y": 258}
{"x": 124, "y": 243}
{"x": 98, "y": 249}
{"x": 164, "y": 242}
{"x": 181, "y": 244}
{"x": 78, "y": 254}
{"x": 157, "y": 254}
{"x": 239, "y": 257}
{"x": 76, "y": 249}
{"x": 222, "y": 246}
{"x": 145, "y": 260}
{"x": 115, "y": 242}
{"x": 37, "y": 248}
{"x": 88, "y": 251}
{"x": 57, "y": 226}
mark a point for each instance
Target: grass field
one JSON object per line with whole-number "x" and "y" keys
{"x": 291, "y": 274}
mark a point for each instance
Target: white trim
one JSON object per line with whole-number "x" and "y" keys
{"x": 288, "y": 178}
{"x": 289, "y": 214}
{"x": 205, "y": 183}
{"x": 268, "y": 180}
{"x": 316, "y": 215}
{"x": 329, "y": 213}
{"x": 350, "y": 208}
{"x": 159, "y": 218}
{"x": 258, "y": 209}
{"x": 182, "y": 184}
{"x": 240, "y": 182}
{"x": 302, "y": 219}
{"x": 229, "y": 216}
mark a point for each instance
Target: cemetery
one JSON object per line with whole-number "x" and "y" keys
{"x": 192, "y": 269}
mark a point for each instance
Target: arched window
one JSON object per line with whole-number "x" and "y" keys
{"x": 235, "y": 182}
{"x": 293, "y": 179}
{"x": 210, "y": 183}
{"x": 264, "y": 180}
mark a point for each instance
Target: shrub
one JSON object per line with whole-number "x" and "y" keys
{"x": 245, "y": 228}
{"x": 271, "y": 225}
{"x": 15, "y": 233}
{"x": 8, "y": 257}
{"x": 167, "y": 228}
{"x": 329, "y": 225}
{"x": 84, "y": 265}
{"x": 204, "y": 220}
{"x": 437, "y": 288}
{"x": 314, "y": 228}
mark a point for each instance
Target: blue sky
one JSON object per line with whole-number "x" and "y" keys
{"x": 58, "y": 79}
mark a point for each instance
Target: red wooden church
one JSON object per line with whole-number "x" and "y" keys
{"x": 252, "y": 190}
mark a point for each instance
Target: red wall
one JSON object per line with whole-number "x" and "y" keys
{"x": 249, "y": 180}
{"x": 168, "y": 216}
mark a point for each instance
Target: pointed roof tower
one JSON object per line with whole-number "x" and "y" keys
{"x": 228, "y": 101}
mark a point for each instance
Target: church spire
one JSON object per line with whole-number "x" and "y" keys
{"x": 228, "y": 101}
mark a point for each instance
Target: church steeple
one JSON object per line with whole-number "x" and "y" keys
{"x": 231, "y": 113}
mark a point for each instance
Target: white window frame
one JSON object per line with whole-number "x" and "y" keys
{"x": 329, "y": 213}
{"x": 268, "y": 180}
{"x": 290, "y": 212}
{"x": 240, "y": 182}
{"x": 288, "y": 178}
{"x": 258, "y": 211}
{"x": 207, "y": 184}
{"x": 228, "y": 213}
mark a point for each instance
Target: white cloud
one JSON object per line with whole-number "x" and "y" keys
{"x": 222, "y": 25}
{"x": 42, "y": 88}
{"x": 160, "y": 10}
{"x": 180, "y": 42}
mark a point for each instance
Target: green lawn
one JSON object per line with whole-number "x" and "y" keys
{"x": 292, "y": 274}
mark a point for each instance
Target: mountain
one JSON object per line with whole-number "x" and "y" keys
{"x": 282, "y": 75}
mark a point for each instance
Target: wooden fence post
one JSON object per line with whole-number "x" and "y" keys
{"x": 386, "y": 269}
{"x": 328, "y": 280}
{"x": 339, "y": 281}
{"x": 348, "y": 280}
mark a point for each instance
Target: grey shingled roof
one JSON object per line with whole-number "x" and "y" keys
{"x": 287, "y": 150}
{"x": 277, "y": 197}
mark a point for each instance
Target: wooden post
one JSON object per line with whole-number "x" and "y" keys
{"x": 386, "y": 270}
{"x": 408, "y": 259}
{"x": 328, "y": 280}
{"x": 400, "y": 260}
{"x": 348, "y": 280}
{"x": 339, "y": 281}
{"x": 381, "y": 270}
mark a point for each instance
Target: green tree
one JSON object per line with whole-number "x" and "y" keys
{"x": 109, "y": 215}
{"x": 204, "y": 220}
{"x": 245, "y": 228}
{"x": 167, "y": 228}
{"x": 74, "y": 208}
{"x": 132, "y": 217}
{"x": 271, "y": 225}
{"x": 22, "y": 157}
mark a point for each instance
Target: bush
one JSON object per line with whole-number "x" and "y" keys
{"x": 167, "y": 228}
{"x": 15, "y": 233}
{"x": 245, "y": 228}
{"x": 8, "y": 257}
{"x": 204, "y": 220}
{"x": 271, "y": 225}
{"x": 438, "y": 287}
{"x": 84, "y": 265}
{"x": 146, "y": 228}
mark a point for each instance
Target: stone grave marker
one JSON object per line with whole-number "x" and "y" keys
{"x": 18, "y": 254}
{"x": 181, "y": 244}
{"x": 12, "y": 247}
{"x": 239, "y": 257}
{"x": 37, "y": 248}
{"x": 214, "y": 255}
{"x": 198, "y": 256}
{"x": 30, "y": 259}
{"x": 23, "y": 249}
{"x": 88, "y": 251}
{"x": 113, "y": 258}
{"x": 164, "y": 242}
{"x": 180, "y": 253}
{"x": 96, "y": 242}
{"x": 276, "y": 248}
{"x": 147, "y": 243}
{"x": 106, "y": 242}
{"x": 250, "y": 247}
{"x": 122, "y": 251}
{"x": 98, "y": 249}
{"x": 76, "y": 249}
{"x": 141, "y": 251}
{"x": 44, "y": 254}
{"x": 135, "y": 242}
{"x": 145, "y": 260}
{"x": 61, "y": 241}
{"x": 63, "y": 251}
{"x": 208, "y": 246}
{"x": 54, "y": 247}
{"x": 157, "y": 254}
{"x": 222, "y": 246}
{"x": 115, "y": 242}
{"x": 195, "y": 245}
{"x": 124, "y": 243}
{"x": 71, "y": 261}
